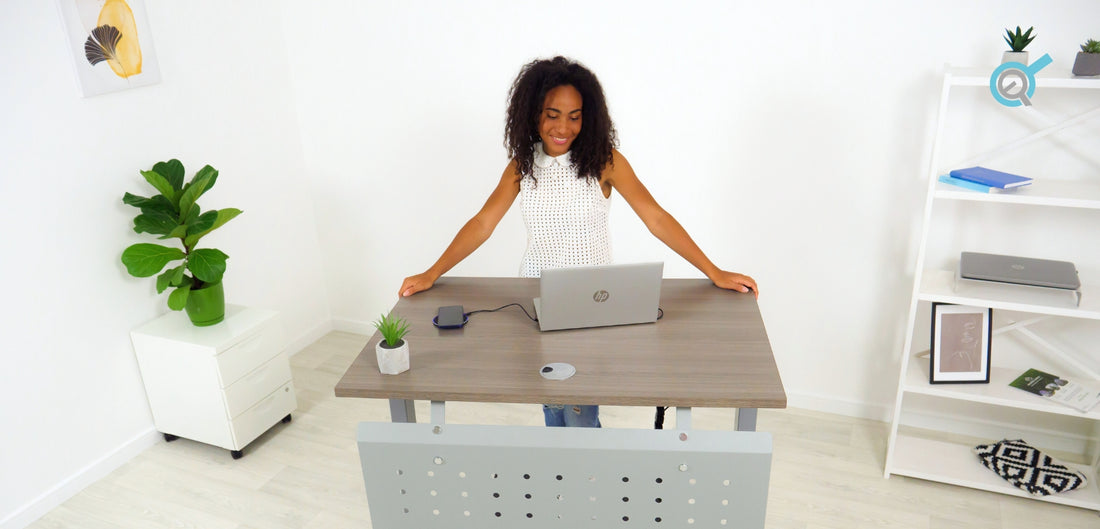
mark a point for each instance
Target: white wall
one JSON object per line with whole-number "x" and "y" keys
{"x": 73, "y": 402}
{"x": 787, "y": 137}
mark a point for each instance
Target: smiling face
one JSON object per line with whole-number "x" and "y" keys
{"x": 560, "y": 119}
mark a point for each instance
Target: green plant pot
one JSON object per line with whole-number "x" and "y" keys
{"x": 206, "y": 306}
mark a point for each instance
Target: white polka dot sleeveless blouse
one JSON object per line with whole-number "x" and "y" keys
{"x": 566, "y": 217}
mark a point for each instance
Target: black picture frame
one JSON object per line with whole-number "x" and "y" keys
{"x": 960, "y": 349}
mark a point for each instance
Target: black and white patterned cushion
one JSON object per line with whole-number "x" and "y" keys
{"x": 1028, "y": 468}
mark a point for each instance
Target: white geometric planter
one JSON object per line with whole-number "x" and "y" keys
{"x": 1014, "y": 56}
{"x": 392, "y": 361}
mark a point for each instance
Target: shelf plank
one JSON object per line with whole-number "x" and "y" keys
{"x": 1039, "y": 193}
{"x": 997, "y": 392}
{"x": 1047, "y": 77}
{"x": 956, "y": 464}
{"x": 939, "y": 286}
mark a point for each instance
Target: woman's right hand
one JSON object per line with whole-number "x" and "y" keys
{"x": 416, "y": 283}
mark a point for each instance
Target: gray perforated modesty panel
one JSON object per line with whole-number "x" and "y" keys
{"x": 462, "y": 476}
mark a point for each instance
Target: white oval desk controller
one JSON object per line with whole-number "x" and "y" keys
{"x": 557, "y": 371}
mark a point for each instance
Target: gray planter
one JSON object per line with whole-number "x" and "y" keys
{"x": 1014, "y": 56}
{"x": 1086, "y": 64}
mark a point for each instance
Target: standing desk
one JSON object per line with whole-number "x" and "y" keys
{"x": 709, "y": 350}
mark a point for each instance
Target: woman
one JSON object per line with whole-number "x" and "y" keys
{"x": 564, "y": 164}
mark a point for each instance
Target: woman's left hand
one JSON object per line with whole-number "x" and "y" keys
{"x": 735, "y": 281}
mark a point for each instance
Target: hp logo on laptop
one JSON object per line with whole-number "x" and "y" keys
{"x": 600, "y": 296}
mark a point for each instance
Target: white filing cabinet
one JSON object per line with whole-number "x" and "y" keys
{"x": 222, "y": 385}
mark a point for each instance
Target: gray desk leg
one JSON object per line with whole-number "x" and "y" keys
{"x": 402, "y": 410}
{"x": 439, "y": 412}
{"x": 683, "y": 418}
{"x": 746, "y": 419}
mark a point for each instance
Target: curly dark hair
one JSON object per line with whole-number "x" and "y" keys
{"x": 591, "y": 151}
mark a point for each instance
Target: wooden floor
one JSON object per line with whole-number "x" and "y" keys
{"x": 826, "y": 471}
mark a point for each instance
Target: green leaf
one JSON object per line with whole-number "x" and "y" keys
{"x": 177, "y": 233}
{"x": 155, "y": 222}
{"x": 191, "y": 215}
{"x": 224, "y": 215}
{"x": 162, "y": 185}
{"x": 208, "y": 264}
{"x": 202, "y": 223}
{"x": 203, "y": 180}
{"x": 156, "y": 203}
{"x": 209, "y": 172}
{"x": 178, "y": 278}
{"x": 170, "y": 278}
{"x": 146, "y": 259}
{"x": 172, "y": 171}
{"x": 177, "y": 300}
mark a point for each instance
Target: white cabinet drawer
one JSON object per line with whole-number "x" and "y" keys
{"x": 235, "y": 362}
{"x": 257, "y": 419}
{"x": 256, "y": 385}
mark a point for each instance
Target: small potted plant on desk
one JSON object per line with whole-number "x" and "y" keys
{"x": 1088, "y": 59}
{"x": 392, "y": 350}
{"x": 1017, "y": 42}
{"x": 174, "y": 214}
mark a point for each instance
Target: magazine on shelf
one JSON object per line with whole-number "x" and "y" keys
{"x": 991, "y": 177}
{"x": 967, "y": 184}
{"x": 1081, "y": 397}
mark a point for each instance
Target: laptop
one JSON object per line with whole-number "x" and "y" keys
{"x": 1019, "y": 270}
{"x": 598, "y": 296}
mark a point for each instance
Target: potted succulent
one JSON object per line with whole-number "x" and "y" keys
{"x": 392, "y": 350}
{"x": 174, "y": 214}
{"x": 1088, "y": 59}
{"x": 1017, "y": 42}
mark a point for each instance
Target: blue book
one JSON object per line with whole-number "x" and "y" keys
{"x": 965, "y": 184}
{"x": 991, "y": 178}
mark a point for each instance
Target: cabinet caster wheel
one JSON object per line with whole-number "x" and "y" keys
{"x": 286, "y": 419}
{"x": 237, "y": 454}
{"x": 169, "y": 437}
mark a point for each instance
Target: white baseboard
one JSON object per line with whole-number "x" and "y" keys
{"x": 69, "y": 487}
{"x": 306, "y": 339}
{"x": 355, "y": 326}
{"x": 848, "y": 408}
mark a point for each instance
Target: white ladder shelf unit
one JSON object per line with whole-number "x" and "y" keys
{"x": 932, "y": 428}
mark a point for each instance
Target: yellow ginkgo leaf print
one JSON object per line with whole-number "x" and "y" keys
{"x": 115, "y": 40}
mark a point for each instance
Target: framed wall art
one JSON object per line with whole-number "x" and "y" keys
{"x": 111, "y": 45}
{"x": 961, "y": 344}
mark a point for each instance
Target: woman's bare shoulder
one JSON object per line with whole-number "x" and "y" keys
{"x": 618, "y": 168}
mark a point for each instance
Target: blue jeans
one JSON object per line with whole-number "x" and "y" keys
{"x": 572, "y": 415}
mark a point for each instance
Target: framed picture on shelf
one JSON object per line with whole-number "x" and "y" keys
{"x": 961, "y": 344}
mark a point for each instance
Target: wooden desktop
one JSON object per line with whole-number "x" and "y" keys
{"x": 710, "y": 349}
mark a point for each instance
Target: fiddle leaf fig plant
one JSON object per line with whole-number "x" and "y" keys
{"x": 174, "y": 213}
